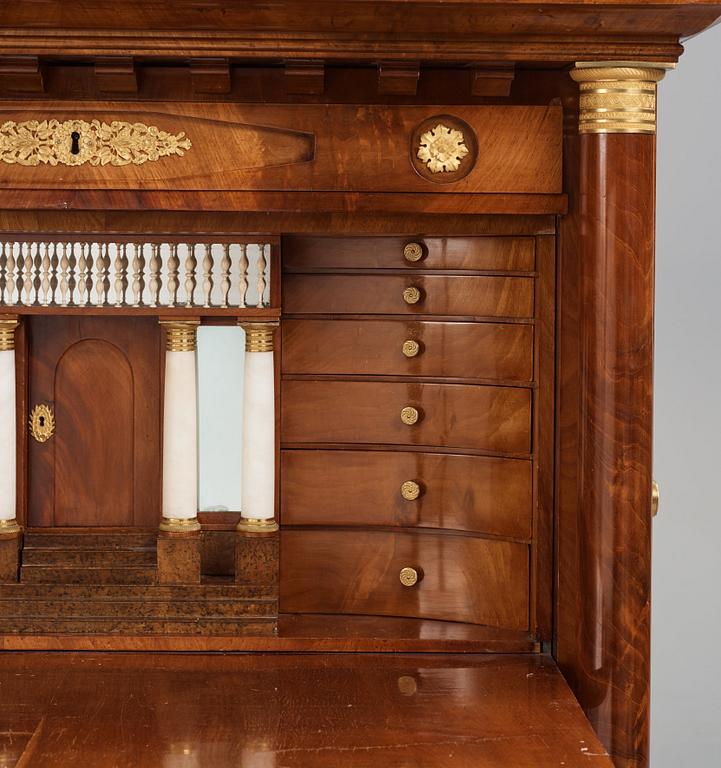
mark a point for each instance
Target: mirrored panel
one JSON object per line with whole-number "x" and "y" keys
{"x": 221, "y": 352}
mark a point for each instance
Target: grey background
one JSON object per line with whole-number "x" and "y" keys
{"x": 686, "y": 668}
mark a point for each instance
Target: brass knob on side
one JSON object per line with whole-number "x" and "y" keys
{"x": 410, "y": 576}
{"x": 410, "y": 490}
{"x": 410, "y": 415}
{"x": 655, "y": 498}
{"x": 411, "y": 295}
{"x": 411, "y": 348}
{"x": 413, "y": 252}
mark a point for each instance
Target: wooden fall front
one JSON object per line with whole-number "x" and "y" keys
{"x": 436, "y": 229}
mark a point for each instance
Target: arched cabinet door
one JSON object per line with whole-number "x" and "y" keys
{"x": 94, "y": 443}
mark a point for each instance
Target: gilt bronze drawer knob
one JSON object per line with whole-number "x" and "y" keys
{"x": 411, "y": 295}
{"x": 410, "y": 490}
{"x": 411, "y": 348}
{"x": 413, "y": 252}
{"x": 410, "y": 576}
{"x": 410, "y": 415}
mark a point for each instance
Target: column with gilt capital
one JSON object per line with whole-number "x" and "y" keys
{"x": 8, "y": 428}
{"x": 180, "y": 428}
{"x": 258, "y": 470}
{"x": 10, "y": 530}
{"x": 605, "y": 401}
{"x": 178, "y": 547}
{"x": 256, "y": 551}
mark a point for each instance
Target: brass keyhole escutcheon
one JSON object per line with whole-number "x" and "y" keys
{"x": 413, "y": 252}
{"x": 42, "y": 423}
{"x": 409, "y": 577}
{"x": 410, "y": 415}
{"x": 411, "y": 295}
{"x": 411, "y": 348}
{"x": 75, "y": 143}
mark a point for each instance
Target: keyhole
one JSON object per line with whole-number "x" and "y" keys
{"x": 75, "y": 147}
{"x": 42, "y": 421}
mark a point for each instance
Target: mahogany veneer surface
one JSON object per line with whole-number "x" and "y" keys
{"x": 467, "y": 253}
{"x": 463, "y": 296}
{"x": 308, "y": 147}
{"x": 480, "y": 351}
{"x": 450, "y": 415}
{"x": 101, "y": 376}
{"x": 464, "y": 578}
{"x": 322, "y": 711}
{"x": 472, "y": 493}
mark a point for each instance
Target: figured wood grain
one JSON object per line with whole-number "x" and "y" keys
{"x": 131, "y": 218}
{"x": 473, "y": 253}
{"x": 465, "y": 579}
{"x": 102, "y": 378}
{"x": 482, "y": 418}
{"x": 361, "y": 488}
{"x": 361, "y": 712}
{"x": 369, "y": 31}
{"x": 305, "y": 147}
{"x": 463, "y": 296}
{"x": 485, "y": 351}
{"x": 604, "y": 426}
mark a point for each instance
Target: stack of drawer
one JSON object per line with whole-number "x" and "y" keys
{"x": 406, "y": 427}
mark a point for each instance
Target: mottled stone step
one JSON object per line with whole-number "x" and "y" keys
{"x": 191, "y": 592}
{"x": 122, "y": 626}
{"x": 134, "y": 609}
{"x": 41, "y": 574}
{"x": 104, "y": 558}
{"x": 100, "y": 540}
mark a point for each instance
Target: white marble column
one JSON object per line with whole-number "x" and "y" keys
{"x": 8, "y": 428}
{"x": 258, "y": 470}
{"x": 180, "y": 428}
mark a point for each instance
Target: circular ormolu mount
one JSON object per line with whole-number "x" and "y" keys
{"x": 444, "y": 149}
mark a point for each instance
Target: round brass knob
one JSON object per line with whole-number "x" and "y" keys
{"x": 411, "y": 295}
{"x": 410, "y": 576}
{"x": 411, "y": 348}
{"x": 410, "y": 490}
{"x": 409, "y": 415}
{"x": 413, "y": 252}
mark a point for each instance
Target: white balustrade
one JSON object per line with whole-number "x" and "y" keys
{"x": 204, "y": 274}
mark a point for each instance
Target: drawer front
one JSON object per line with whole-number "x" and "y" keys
{"x": 282, "y": 147}
{"x": 466, "y": 296}
{"x": 470, "y": 493}
{"x": 464, "y": 578}
{"x": 460, "y": 416}
{"x": 487, "y": 351}
{"x": 515, "y": 254}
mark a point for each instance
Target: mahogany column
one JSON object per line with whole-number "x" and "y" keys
{"x": 605, "y": 404}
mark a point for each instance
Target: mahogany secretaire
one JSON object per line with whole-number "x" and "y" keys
{"x": 427, "y": 231}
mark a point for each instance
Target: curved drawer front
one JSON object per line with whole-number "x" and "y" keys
{"x": 459, "y": 578}
{"x": 453, "y": 295}
{"x": 465, "y": 417}
{"x": 429, "y": 490}
{"x": 486, "y": 351}
{"x": 467, "y": 253}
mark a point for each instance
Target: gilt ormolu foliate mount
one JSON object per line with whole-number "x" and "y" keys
{"x": 76, "y": 142}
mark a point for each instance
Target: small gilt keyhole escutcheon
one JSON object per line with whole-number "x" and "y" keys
{"x": 75, "y": 143}
{"x": 42, "y": 423}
